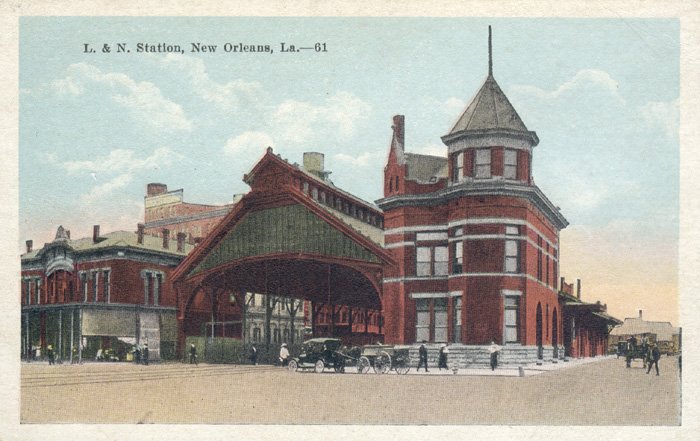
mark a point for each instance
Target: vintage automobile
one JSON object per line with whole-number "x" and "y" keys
{"x": 319, "y": 354}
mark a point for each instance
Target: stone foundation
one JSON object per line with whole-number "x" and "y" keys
{"x": 466, "y": 356}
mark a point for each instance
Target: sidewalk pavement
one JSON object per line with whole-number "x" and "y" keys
{"x": 504, "y": 371}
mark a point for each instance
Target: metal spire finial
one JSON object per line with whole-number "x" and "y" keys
{"x": 490, "y": 55}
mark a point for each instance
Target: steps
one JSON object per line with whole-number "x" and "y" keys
{"x": 465, "y": 356}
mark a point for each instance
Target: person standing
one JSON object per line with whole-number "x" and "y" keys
{"x": 284, "y": 354}
{"x": 422, "y": 357}
{"x": 442, "y": 358}
{"x": 654, "y": 359}
{"x": 50, "y": 354}
{"x": 193, "y": 354}
{"x": 494, "y": 349}
{"x": 145, "y": 354}
{"x": 253, "y": 355}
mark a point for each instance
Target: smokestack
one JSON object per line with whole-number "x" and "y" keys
{"x": 640, "y": 314}
{"x": 181, "y": 242}
{"x": 95, "y": 233}
{"x": 29, "y": 243}
{"x": 139, "y": 233}
{"x": 562, "y": 286}
{"x": 578, "y": 289}
{"x": 166, "y": 238}
{"x": 68, "y": 234}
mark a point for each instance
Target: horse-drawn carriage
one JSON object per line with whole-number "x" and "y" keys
{"x": 382, "y": 359}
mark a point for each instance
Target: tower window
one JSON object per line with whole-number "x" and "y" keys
{"x": 482, "y": 164}
{"x": 458, "y": 167}
{"x": 510, "y": 164}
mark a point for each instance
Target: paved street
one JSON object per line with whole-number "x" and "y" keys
{"x": 602, "y": 392}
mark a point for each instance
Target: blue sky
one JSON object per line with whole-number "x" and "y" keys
{"x": 602, "y": 95}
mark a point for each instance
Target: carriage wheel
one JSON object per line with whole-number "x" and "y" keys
{"x": 382, "y": 364}
{"x": 319, "y": 366}
{"x": 403, "y": 369}
{"x": 339, "y": 365}
{"x": 293, "y": 366}
{"x": 363, "y": 365}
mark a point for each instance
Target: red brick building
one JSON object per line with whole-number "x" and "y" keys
{"x": 462, "y": 248}
{"x": 103, "y": 292}
{"x": 476, "y": 241}
{"x": 167, "y": 210}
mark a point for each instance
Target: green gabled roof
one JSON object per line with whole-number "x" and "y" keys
{"x": 282, "y": 230}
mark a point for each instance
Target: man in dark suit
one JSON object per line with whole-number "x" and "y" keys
{"x": 193, "y": 354}
{"x": 422, "y": 357}
{"x": 654, "y": 359}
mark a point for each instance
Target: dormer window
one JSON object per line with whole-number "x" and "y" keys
{"x": 458, "y": 167}
{"x": 482, "y": 164}
{"x": 510, "y": 164}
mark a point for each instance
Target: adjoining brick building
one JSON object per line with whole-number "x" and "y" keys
{"x": 167, "y": 211}
{"x": 108, "y": 291}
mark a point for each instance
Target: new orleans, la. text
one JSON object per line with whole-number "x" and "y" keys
{"x": 203, "y": 48}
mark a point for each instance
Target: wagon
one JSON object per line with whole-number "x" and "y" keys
{"x": 319, "y": 354}
{"x": 383, "y": 359}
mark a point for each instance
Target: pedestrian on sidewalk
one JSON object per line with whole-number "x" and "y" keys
{"x": 422, "y": 357}
{"x": 284, "y": 354}
{"x": 494, "y": 349}
{"x": 145, "y": 354}
{"x": 193, "y": 354}
{"x": 50, "y": 354}
{"x": 655, "y": 356}
{"x": 253, "y": 355}
{"x": 442, "y": 358}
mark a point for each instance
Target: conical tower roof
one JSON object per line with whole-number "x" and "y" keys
{"x": 490, "y": 110}
{"x": 490, "y": 113}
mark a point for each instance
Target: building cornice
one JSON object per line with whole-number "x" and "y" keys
{"x": 470, "y": 189}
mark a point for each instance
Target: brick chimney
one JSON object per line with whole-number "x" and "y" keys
{"x": 399, "y": 128}
{"x": 562, "y": 284}
{"x": 578, "y": 289}
{"x": 139, "y": 233}
{"x": 181, "y": 242}
{"x": 29, "y": 243}
{"x": 154, "y": 189}
{"x": 166, "y": 238}
{"x": 95, "y": 233}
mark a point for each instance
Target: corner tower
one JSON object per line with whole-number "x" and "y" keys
{"x": 476, "y": 241}
{"x": 489, "y": 140}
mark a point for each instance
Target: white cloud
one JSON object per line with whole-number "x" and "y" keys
{"x": 300, "y": 122}
{"x": 453, "y": 106}
{"x": 101, "y": 191}
{"x": 120, "y": 160}
{"x": 584, "y": 79}
{"x": 143, "y": 99}
{"x": 364, "y": 159}
{"x": 665, "y": 115}
{"x": 229, "y": 95}
{"x": 247, "y": 143}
